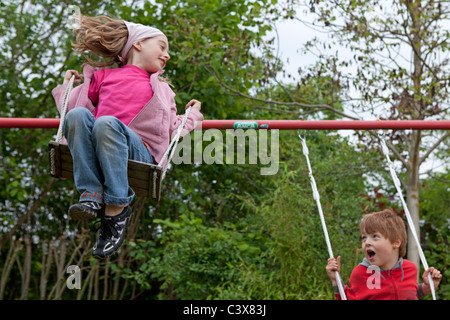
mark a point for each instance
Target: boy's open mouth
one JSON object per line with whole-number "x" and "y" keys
{"x": 370, "y": 254}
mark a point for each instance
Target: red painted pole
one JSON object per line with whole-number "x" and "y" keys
{"x": 29, "y": 123}
{"x": 327, "y": 124}
{"x": 268, "y": 124}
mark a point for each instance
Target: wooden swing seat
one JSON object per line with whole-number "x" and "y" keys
{"x": 143, "y": 178}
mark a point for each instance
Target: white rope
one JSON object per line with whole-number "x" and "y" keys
{"x": 64, "y": 108}
{"x": 405, "y": 207}
{"x": 322, "y": 219}
{"x": 63, "y": 115}
{"x": 173, "y": 144}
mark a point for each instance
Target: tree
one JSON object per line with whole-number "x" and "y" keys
{"x": 398, "y": 69}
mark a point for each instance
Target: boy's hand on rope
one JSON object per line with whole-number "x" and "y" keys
{"x": 435, "y": 275}
{"x": 333, "y": 266}
{"x": 195, "y": 104}
{"x": 76, "y": 81}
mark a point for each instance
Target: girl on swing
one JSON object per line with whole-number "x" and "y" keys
{"x": 117, "y": 114}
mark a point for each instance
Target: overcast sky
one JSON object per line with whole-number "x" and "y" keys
{"x": 293, "y": 34}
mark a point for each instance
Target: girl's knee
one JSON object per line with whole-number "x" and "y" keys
{"x": 78, "y": 112}
{"x": 105, "y": 127}
{"x": 77, "y": 118}
{"x": 104, "y": 123}
{"x": 78, "y": 115}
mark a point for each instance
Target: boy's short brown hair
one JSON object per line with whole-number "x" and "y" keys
{"x": 389, "y": 224}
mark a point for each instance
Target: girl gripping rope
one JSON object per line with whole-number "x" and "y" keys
{"x": 117, "y": 114}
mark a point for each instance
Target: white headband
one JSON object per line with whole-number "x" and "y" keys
{"x": 138, "y": 32}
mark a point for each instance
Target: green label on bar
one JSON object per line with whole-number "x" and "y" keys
{"x": 245, "y": 125}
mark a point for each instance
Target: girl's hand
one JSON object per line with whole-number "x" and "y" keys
{"x": 333, "y": 266}
{"x": 436, "y": 276}
{"x": 69, "y": 74}
{"x": 195, "y": 104}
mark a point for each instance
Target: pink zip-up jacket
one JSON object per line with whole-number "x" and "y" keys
{"x": 156, "y": 123}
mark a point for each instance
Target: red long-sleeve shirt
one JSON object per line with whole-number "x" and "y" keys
{"x": 368, "y": 283}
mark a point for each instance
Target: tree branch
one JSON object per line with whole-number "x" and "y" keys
{"x": 393, "y": 149}
{"x": 293, "y": 103}
{"x": 32, "y": 210}
{"x": 430, "y": 150}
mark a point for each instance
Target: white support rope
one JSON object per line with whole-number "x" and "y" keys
{"x": 322, "y": 219}
{"x": 59, "y": 134}
{"x": 173, "y": 144}
{"x": 64, "y": 108}
{"x": 405, "y": 207}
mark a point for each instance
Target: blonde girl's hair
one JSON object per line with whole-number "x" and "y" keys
{"x": 389, "y": 224}
{"x": 101, "y": 36}
{"x": 105, "y": 37}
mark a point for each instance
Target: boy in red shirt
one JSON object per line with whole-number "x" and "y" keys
{"x": 383, "y": 274}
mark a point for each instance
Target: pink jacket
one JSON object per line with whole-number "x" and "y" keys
{"x": 156, "y": 123}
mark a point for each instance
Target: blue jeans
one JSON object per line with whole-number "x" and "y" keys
{"x": 100, "y": 150}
